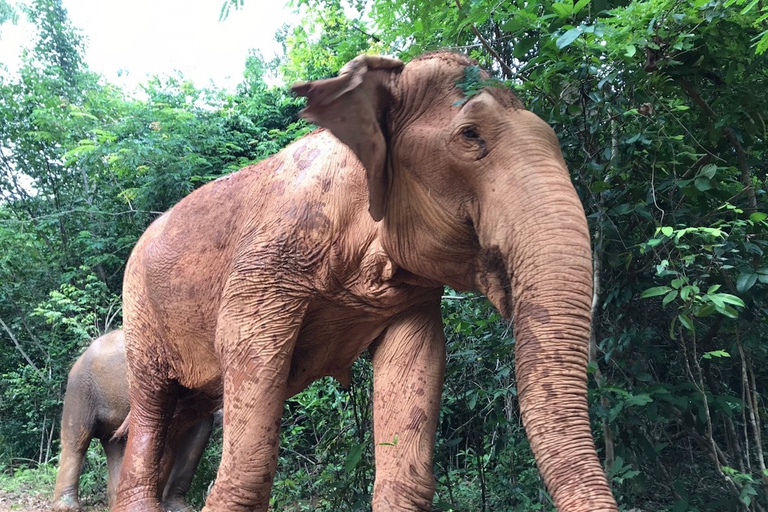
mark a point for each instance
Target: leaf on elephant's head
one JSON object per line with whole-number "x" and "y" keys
{"x": 473, "y": 82}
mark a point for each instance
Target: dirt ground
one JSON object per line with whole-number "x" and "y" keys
{"x": 18, "y": 500}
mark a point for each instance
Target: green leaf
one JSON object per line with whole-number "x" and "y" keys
{"x": 353, "y": 457}
{"x": 686, "y": 322}
{"x": 569, "y": 37}
{"x": 630, "y": 50}
{"x": 562, "y": 10}
{"x": 703, "y": 184}
{"x": 667, "y": 230}
{"x": 390, "y": 443}
{"x": 581, "y": 4}
{"x": 655, "y": 291}
{"x": 745, "y": 282}
{"x": 731, "y": 299}
{"x": 600, "y": 186}
{"x": 727, "y": 311}
{"x": 472, "y": 402}
{"x": 653, "y": 242}
{"x": 638, "y": 400}
{"x": 758, "y": 217}
{"x": 715, "y": 353}
{"x": 685, "y": 293}
{"x": 708, "y": 171}
{"x": 749, "y": 7}
{"x": 669, "y": 297}
{"x": 524, "y": 46}
{"x": 714, "y": 232}
{"x": 705, "y": 310}
{"x": 513, "y": 24}
{"x": 716, "y": 300}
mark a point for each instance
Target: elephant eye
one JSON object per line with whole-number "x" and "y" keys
{"x": 470, "y": 133}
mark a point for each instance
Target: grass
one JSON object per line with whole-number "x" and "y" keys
{"x": 33, "y": 485}
{"x": 38, "y": 480}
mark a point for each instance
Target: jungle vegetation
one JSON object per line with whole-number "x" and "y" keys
{"x": 661, "y": 107}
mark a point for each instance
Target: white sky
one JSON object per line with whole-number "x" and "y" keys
{"x": 148, "y": 37}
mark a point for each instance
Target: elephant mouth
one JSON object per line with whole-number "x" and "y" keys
{"x": 495, "y": 280}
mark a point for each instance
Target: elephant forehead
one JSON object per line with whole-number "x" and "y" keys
{"x": 438, "y": 74}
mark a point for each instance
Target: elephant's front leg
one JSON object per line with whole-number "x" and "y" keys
{"x": 408, "y": 371}
{"x": 256, "y": 357}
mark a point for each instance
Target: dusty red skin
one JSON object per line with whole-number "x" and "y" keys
{"x": 95, "y": 405}
{"x": 263, "y": 281}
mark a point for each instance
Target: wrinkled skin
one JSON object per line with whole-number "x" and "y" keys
{"x": 95, "y": 405}
{"x": 267, "y": 279}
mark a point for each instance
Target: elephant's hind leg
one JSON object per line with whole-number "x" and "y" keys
{"x": 114, "y": 448}
{"x": 188, "y": 456}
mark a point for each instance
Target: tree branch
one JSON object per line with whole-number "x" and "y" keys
{"x": 746, "y": 177}
{"x": 21, "y": 350}
{"x": 507, "y": 70}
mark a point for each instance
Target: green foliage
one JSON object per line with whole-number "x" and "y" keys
{"x": 83, "y": 170}
{"x": 326, "y": 448}
{"x": 38, "y": 480}
{"x": 749, "y": 6}
{"x": 323, "y": 41}
{"x": 7, "y": 13}
{"x": 483, "y": 460}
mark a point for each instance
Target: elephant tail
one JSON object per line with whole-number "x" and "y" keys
{"x": 122, "y": 430}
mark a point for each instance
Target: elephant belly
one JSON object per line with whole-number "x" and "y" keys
{"x": 194, "y": 363}
{"x": 333, "y": 336}
{"x": 327, "y": 345}
{"x": 108, "y": 421}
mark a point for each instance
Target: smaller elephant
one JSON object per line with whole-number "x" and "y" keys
{"x": 95, "y": 405}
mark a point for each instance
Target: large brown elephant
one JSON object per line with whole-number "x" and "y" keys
{"x": 95, "y": 405}
{"x": 262, "y": 281}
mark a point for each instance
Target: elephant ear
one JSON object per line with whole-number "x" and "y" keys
{"x": 351, "y": 106}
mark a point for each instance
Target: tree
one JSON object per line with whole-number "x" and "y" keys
{"x": 83, "y": 170}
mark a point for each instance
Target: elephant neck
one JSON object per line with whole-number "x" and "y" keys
{"x": 430, "y": 246}
{"x": 359, "y": 273}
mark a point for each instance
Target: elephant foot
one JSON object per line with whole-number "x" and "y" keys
{"x": 138, "y": 506}
{"x": 177, "y": 504}
{"x": 66, "y": 504}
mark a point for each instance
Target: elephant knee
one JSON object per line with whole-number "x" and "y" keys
{"x": 415, "y": 493}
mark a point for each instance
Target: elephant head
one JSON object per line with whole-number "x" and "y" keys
{"x": 471, "y": 191}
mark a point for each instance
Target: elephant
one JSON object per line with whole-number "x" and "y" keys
{"x": 264, "y": 280}
{"x": 95, "y": 405}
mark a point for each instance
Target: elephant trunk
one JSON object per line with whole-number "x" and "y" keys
{"x": 543, "y": 239}
{"x": 552, "y": 299}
